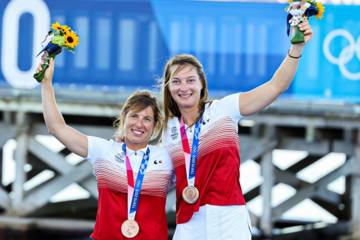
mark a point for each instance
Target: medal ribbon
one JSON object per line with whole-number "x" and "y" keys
{"x": 190, "y": 158}
{"x": 134, "y": 190}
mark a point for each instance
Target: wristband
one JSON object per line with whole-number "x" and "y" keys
{"x": 291, "y": 56}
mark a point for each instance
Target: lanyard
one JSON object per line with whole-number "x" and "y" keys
{"x": 190, "y": 158}
{"x": 134, "y": 190}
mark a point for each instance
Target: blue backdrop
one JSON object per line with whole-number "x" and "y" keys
{"x": 126, "y": 44}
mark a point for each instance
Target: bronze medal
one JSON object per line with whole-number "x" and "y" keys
{"x": 190, "y": 194}
{"x": 130, "y": 228}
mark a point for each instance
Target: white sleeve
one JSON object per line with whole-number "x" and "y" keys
{"x": 167, "y": 159}
{"x": 229, "y": 106}
{"x": 96, "y": 148}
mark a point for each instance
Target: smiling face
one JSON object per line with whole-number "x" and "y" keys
{"x": 139, "y": 126}
{"x": 185, "y": 86}
{"x": 182, "y": 64}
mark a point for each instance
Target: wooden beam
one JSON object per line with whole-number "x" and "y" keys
{"x": 252, "y": 148}
{"x": 291, "y": 179}
{"x": 93, "y": 130}
{"x": 83, "y": 109}
{"x": 327, "y": 199}
{"x": 318, "y": 147}
{"x": 57, "y": 162}
{"x": 343, "y": 147}
{"x": 79, "y": 209}
{"x": 310, "y": 190}
{"x": 306, "y": 120}
{"x": 37, "y": 166}
{"x": 355, "y": 191}
{"x": 21, "y": 223}
{"x": 40, "y": 197}
{"x": 300, "y": 165}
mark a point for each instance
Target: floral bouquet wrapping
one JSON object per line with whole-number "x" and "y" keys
{"x": 60, "y": 36}
{"x": 298, "y": 11}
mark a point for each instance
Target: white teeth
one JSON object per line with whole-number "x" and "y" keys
{"x": 137, "y": 132}
{"x": 184, "y": 95}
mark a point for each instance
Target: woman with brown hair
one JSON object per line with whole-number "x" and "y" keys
{"x": 133, "y": 176}
{"x": 201, "y": 137}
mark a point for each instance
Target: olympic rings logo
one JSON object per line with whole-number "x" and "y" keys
{"x": 346, "y": 54}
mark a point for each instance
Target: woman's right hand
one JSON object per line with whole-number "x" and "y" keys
{"x": 49, "y": 73}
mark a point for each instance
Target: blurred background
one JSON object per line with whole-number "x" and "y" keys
{"x": 300, "y": 169}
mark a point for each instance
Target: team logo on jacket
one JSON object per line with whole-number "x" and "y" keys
{"x": 120, "y": 157}
{"x": 158, "y": 162}
{"x": 174, "y": 133}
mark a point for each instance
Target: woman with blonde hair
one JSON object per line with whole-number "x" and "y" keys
{"x": 133, "y": 176}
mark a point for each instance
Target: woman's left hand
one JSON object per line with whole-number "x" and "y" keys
{"x": 296, "y": 49}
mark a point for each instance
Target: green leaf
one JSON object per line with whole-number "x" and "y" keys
{"x": 58, "y": 40}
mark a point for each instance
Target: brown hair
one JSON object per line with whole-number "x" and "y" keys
{"x": 137, "y": 102}
{"x": 170, "y": 107}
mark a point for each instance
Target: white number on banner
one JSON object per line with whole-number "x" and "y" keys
{"x": 10, "y": 39}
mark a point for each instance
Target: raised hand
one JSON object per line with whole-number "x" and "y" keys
{"x": 49, "y": 72}
{"x": 306, "y": 28}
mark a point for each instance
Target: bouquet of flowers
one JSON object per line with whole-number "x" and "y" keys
{"x": 298, "y": 11}
{"x": 60, "y": 36}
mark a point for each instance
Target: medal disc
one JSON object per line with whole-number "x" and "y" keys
{"x": 190, "y": 194}
{"x": 130, "y": 228}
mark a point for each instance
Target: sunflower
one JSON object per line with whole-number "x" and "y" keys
{"x": 65, "y": 28}
{"x": 321, "y": 10}
{"x": 56, "y": 26}
{"x": 71, "y": 39}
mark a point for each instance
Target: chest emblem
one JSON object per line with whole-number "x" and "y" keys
{"x": 120, "y": 157}
{"x": 174, "y": 133}
{"x": 158, "y": 162}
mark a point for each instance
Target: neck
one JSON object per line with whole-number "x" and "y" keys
{"x": 190, "y": 115}
{"x": 133, "y": 146}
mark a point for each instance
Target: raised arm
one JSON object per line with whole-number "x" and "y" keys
{"x": 257, "y": 99}
{"x": 75, "y": 141}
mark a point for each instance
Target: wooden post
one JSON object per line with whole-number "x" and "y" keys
{"x": 267, "y": 172}
{"x": 20, "y": 160}
{"x": 355, "y": 205}
{"x": 7, "y": 117}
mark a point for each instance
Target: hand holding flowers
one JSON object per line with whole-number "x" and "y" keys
{"x": 299, "y": 11}
{"x": 59, "y": 37}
